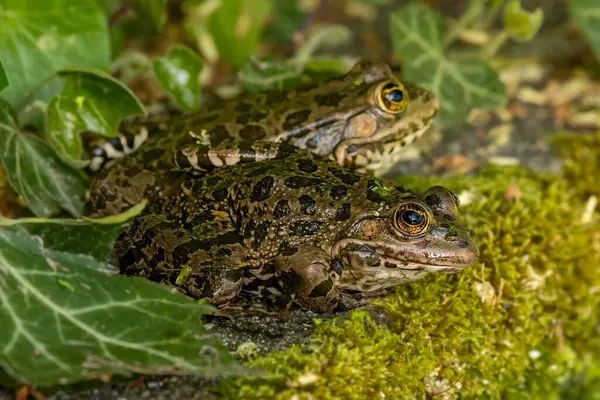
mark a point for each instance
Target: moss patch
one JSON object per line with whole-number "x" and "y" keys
{"x": 524, "y": 323}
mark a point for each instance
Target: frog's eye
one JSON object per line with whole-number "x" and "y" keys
{"x": 392, "y": 97}
{"x": 411, "y": 219}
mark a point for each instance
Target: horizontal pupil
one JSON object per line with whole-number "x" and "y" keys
{"x": 395, "y": 96}
{"x": 411, "y": 217}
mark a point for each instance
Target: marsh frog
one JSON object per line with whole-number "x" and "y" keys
{"x": 361, "y": 120}
{"x": 297, "y": 228}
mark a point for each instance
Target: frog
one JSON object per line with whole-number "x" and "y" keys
{"x": 295, "y": 229}
{"x": 361, "y": 120}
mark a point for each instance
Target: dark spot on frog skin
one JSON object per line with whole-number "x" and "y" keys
{"x": 338, "y": 192}
{"x": 199, "y": 219}
{"x": 218, "y": 135}
{"x": 286, "y": 250}
{"x": 182, "y": 253}
{"x": 329, "y": 100}
{"x": 337, "y": 266}
{"x": 434, "y": 201}
{"x": 312, "y": 143}
{"x": 322, "y": 289}
{"x": 373, "y": 260}
{"x": 347, "y": 178}
{"x": 308, "y": 205}
{"x": 401, "y": 189}
{"x": 152, "y": 155}
{"x": 343, "y": 212}
{"x": 260, "y": 233}
{"x": 276, "y": 96}
{"x": 219, "y": 194}
{"x": 131, "y": 257}
{"x": 304, "y": 227}
{"x": 390, "y": 265}
{"x": 243, "y": 107}
{"x": 212, "y": 181}
{"x": 204, "y": 119}
{"x": 297, "y": 182}
{"x": 282, "y": 209}
{"x": 249, "y": 229}
{"x": 296, "y": 118}
{"x": 305, "y": 165}
{"x": 252, "y": 132}
{"x": 262, "y": 189}
{"x": 223, "y": 252}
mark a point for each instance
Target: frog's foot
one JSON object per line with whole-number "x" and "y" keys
{"x": 316, "y": 290}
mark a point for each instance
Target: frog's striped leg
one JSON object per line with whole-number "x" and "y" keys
{"x": 201, "y": 157}
{"x": 115, "y": 148}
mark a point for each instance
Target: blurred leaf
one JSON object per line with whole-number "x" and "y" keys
{"x": 35, "y": 172}
{"x": 151, "y": 11}
{"x": 323, "y": 36}
{"x": 178, "y": 74}
{"x": 287, "y": 19}
{"x": 90, "y": 100}
{"x": 417, "y": 34}
{"x": 65, "y": 319}
{"x": 520, "y": 24}
{"x": 236, "y": 27}
{"x": 267, "y": 73}
{"x": 3, "y": 77}
{"x": 37, "y": 38}
{"x": 586, "y": 14}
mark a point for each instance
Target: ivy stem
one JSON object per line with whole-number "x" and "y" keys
{"x": 497, "y": 41}
{"x": 469, "y": 16}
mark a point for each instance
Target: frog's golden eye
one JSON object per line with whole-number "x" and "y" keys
{"x": 392, "y": 97}
{"x": 411, "y": 219}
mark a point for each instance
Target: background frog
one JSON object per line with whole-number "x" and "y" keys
{"x": 361, "y": 120}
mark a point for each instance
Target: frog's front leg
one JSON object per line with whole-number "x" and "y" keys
{"x": 316, "y": 274}
{"x": 204, "y": 157}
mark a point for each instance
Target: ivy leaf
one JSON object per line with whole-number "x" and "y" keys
{"x": 35, "y": 172}
{"x": 178, "y": 74}
{"x": 267, "y": 73}
{"x": 236, "y": 27}
{"x": 586, "y": 14}
{"x": 38, "y": 38}
{"x": 417, "y": 37}
{"x": 3, "y": 77}
{"x": 89, "y": 101}
{"x": 520, "y": 24}
{"x": 65, "y": 319}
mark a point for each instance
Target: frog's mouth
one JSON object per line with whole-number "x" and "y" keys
{"x": 374, "y": 265}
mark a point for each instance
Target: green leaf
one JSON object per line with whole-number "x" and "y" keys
{"x": 287, "y": 19}
{"x": 38, "y": 38}
{"x": 65, "y": 319}
{"x": 90, "y": 100}
{"x": 236, "y": 27}
{"x": 35, "y": 172}
{"x": 178, "y": 74}
{"x": 3, "y": 77}
{"x": 586, "y": 14}
{"x": 417, "y": 37}
{"x": 520, "y": 24}
{"x": 267, "y": 73}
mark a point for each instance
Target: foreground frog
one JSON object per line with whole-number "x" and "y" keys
{"x": 361, "y": 120}
{"x": 298, "y": 227}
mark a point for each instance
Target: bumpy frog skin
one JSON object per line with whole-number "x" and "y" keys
{"x": 361, "y": 120}
{"x": 295, "y": 228}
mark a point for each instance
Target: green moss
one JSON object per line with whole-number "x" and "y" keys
{"x": 523, "y": 323}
